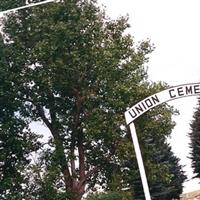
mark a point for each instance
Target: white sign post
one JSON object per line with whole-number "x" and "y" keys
{"x": 185, "y": 90}
{"x": 27, "y": 6}
{"x": 140, "y": 161}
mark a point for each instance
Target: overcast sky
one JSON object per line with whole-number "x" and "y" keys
{"x": 173, "y": 27}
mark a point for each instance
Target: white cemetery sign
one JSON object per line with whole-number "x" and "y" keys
{"x": 185, "y": 90}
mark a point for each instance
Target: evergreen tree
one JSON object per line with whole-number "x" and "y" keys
{"x": 167, "y": 178}
{"x": 195, "y": 141}
{"x": 164, "y": 173}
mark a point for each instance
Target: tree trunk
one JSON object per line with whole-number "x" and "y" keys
{"x": 74, "y": 181}
{"x": 76, "y": 188}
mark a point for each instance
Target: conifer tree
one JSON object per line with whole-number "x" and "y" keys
{"x": 195, "y": 141}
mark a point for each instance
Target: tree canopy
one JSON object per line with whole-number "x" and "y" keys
{"x": 71, "y": 68}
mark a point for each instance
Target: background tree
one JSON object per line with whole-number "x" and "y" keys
{"x": 195, "y": 141}
{"x": 76, "y": 71}
{"x": 165, "y": 174}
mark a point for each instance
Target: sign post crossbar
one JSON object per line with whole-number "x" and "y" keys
{"x": 27, "y": 6}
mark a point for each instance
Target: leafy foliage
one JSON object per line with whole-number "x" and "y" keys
{"x": 70, "y": 67}
{"x": 165, "y": 174}
{"x": 16, "y": 140}
{"x": 110, "y": 196}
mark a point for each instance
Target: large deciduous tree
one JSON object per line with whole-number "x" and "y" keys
{"x": 75, "y": 70}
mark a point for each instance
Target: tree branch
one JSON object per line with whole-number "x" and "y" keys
{"x": 81, "y": 160}
{"x": 88, "y": 174}
{"x": 58, "y": 144}
{"x": 43, "y": 116}
{"x": 73, "y": 169}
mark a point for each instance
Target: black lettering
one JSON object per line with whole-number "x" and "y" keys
{"x": 133, "y": 114}
{"x": 196, "y": 89}
{"x": 155, "y": 99}
{"x": 188, "y": 90}
{"x": 144, "y": 105}
{"x": 170, "y": 93}
{"x": 180, "y": 91}
{"x": 139, "y": 109}
{"x": 148, "y": 103}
